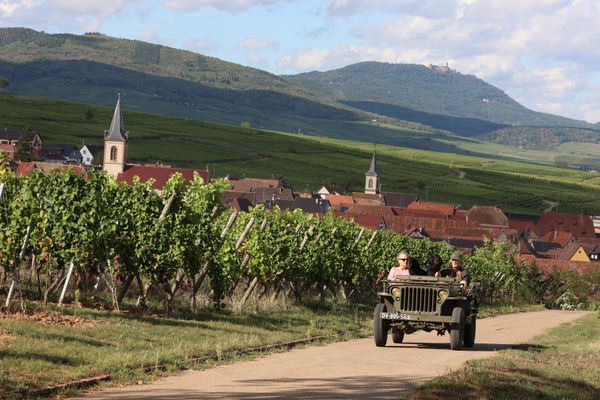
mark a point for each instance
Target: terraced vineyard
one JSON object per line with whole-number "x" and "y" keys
{"x": 307, "y": 162}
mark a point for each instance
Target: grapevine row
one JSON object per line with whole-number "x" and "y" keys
{"x": 185, "y": 240}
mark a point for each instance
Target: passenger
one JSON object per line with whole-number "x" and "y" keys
{"x": 414, "y": 267}
{"x": 402, "y": 268}
{"x": 458, "y": 271}
{"x": 435, "y": 265}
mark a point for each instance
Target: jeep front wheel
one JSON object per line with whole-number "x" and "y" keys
{"x": 397, "y": 336}
{"x": 457, "y": 329}
{"x": 379, "y": 326}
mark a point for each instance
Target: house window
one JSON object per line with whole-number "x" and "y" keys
{"x": 370, "y": 183}
{"x": 113, "y": 153}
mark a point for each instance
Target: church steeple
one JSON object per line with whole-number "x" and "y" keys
{"x": 115, "y": 143}
{"x": 372, "y": 178}
{"x": 117, "y": 128}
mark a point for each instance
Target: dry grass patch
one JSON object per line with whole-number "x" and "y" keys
{"x": 562, "y": 364}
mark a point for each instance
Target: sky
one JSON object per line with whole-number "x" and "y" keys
{"x": 543, "y": 53}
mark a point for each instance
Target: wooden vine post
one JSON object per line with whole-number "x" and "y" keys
{"x": 204, "y": 270}
{"x": 15, "y": 277}
{"x": 255, "y": 280}
{"x": 64, "y": 290}
{"x": 371, "y": 240}
{"x": 240, "y": 241}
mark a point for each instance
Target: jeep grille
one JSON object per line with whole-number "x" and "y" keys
{"x": 418, "y": 299}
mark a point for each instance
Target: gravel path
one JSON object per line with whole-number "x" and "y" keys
{"x": 355, "y": 369}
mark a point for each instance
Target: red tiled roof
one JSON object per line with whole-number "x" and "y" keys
{"x": 487, "y": 215}
{"x": 577, "y": 224}
{"x": 563, "y": 238}
{"x": 160, "y": 174}
{"x": 367, "y": 199}
{"x": 442, "y": 208}
{"x": 250, "y": 184}
{"x": 337, "y": 201}
{"x": 415, "y": 212}
{"x": 401, "y": 223}
{"x": 27, "y": 167}
{"x": 523, "y": 226}
{"x": 367, "y": 221}
{"x": 365, "y": 209}
{"x": 399, "y": 199}
{"x": 229, "y": 196}
{"x": 546, "y": 265}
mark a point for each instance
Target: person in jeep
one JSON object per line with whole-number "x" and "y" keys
{"x": 403, "y": 267}
{"x": 457, "y": 271}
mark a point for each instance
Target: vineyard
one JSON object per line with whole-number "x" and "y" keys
{"x": 75, "y": 236}
{"x": 74, "y": 233}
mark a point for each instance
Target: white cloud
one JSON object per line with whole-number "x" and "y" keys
{"x": 203, "y": 45}
{"x": 325, "y": 59}
{"x": 258, "y": 44}
{"x": 9, "y": 8}
{"x": 226, "y": 5}
{"x": 153, "y": 36}
{"x": 87, "y": 7}
{"x": 61, "y": 15}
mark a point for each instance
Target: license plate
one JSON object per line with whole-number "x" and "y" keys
{"x": 387, "y": 315}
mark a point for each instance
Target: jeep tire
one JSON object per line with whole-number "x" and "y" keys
{"x": 397, "y": 335}
{"x": 380, "y": 328}
{"x": 470, "y": 330}
{"x": 457, "y": 329}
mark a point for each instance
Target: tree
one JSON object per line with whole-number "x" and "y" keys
{"x": 89, "y": 115}
{"x": 23, "y": 149}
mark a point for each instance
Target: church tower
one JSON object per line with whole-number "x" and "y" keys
{"x": 372, "y": 178}
{"x": 115, "y": 144}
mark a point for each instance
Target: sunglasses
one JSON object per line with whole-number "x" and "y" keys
{"x": 403, "y": 259}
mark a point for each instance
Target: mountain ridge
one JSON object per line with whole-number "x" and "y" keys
{"x": 425, "y": 89}
{"x": 364, "y": 101}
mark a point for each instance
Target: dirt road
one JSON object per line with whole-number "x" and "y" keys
{"x": 355, "y": 369}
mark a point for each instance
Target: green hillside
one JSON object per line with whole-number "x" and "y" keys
{"x": 533, "y": 137}
{"x": 461, "y": 126}
{"x": 424, "y": 89}
{"x": 307, "y": 162}
{"x": 92, "y": 68}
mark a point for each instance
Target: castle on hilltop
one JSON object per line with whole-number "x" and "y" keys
{"x": 444, "y": 69}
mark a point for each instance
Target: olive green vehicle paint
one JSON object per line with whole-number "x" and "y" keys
{"x": 412, "y": 303}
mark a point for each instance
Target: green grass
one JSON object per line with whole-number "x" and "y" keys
{"x": 306, "y": 161}
{"x": 34, "y": 354}
{"x": 562, "y": 364}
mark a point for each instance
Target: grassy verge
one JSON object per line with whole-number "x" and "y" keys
{"x": 492, "y": 310}
{"x": 51, "y": 346}
{"x": 562, "y": 364}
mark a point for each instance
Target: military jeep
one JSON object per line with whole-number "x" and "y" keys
{"x": 427, "y": 303}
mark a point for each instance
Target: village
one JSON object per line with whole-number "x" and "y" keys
{"x": 553, "y": 240}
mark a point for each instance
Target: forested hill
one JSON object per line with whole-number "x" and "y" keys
{"x": 343, "y": 103}
{"x": 434, "y": 90}
{"x": 91, "y": 68}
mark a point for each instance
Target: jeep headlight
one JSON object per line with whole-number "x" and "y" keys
{"x": 442, "y": 294}
{"x": 396, "y": 292}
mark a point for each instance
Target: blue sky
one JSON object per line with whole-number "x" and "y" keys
{"x": 543, "y": 53}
